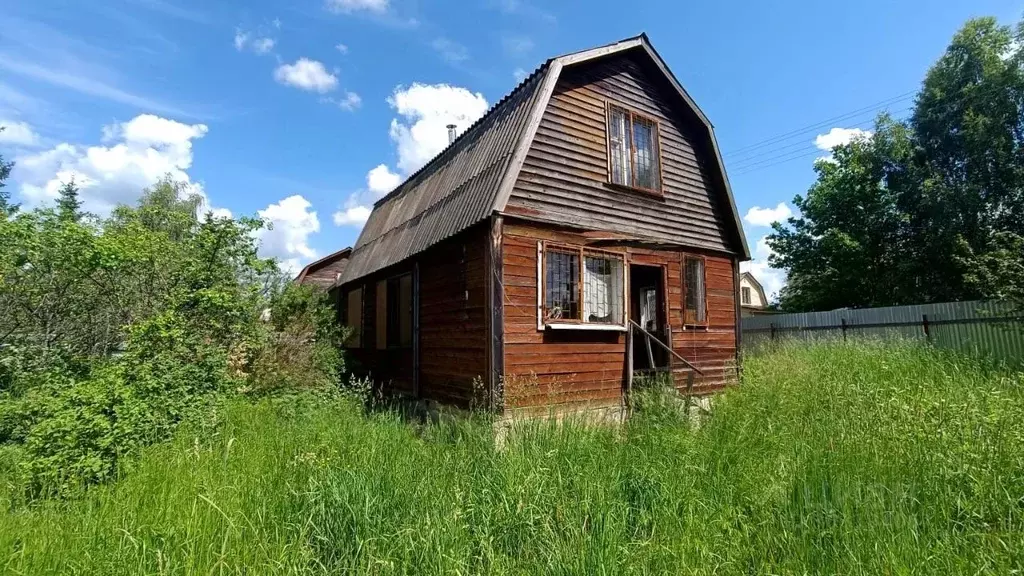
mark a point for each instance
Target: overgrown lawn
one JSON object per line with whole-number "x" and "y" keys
{"x": 830, "y": 458}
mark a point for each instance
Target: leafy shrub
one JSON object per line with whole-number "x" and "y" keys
{"x": 116, "y": 332}
{"x": 299, "y": 346}
{"x": 166, "y": 375}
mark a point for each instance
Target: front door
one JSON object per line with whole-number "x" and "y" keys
{"x": 647, "y": 308}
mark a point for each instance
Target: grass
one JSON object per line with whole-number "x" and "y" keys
{"x": 865, "y": 459}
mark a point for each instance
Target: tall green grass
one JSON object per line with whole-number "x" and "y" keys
{"x": 867, "y": 458}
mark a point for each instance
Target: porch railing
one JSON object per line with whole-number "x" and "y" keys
{"x": 649, "y": 338}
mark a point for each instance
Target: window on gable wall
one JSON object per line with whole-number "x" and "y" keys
{"x": 594, "y": 297}
{"x": 694, "y": 292}
{"x": 745, "y": 295}
{"x": 633, "y": 150}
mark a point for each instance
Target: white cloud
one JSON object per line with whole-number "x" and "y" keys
{"x": 263, "y": 45}
{"x": 350, "y": 6}
{"x": 341, "y": 48}
{"x": 241, "y": 39}
{"x": 259, "y": 43}
{"x": 840, "y": 136}
{"x": 382, "y": 180}
{"x": 425, "y": 112}
{"x": 306, "y": 74}
{"x": 451, "y": 51}
{"x": 138, "y": 153}
{"x": 352, "y": 214}
{"x": 85, "y": 85}
{"x": 758, "y": 216}
{"x": 17, "y": 133}
{"x": 290, "y": 224}
{"x": 519, "y": 74}
{"x": 419, "y": 134}
{"x": 350, "y": 102}
{"x": 771, "y": 279}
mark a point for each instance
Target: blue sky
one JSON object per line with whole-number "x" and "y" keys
{"x": 305, "y": 111}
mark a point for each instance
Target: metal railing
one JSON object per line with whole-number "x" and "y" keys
{"x": 648, "y": 339}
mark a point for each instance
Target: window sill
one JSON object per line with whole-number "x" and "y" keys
{"x": 695, "y": 327}
{"x": 635, "y": 190}
{"x": 584, "y": 326}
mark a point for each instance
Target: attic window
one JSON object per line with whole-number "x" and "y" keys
{"x": 745, "y": 294}
{"x": 634, "y": 157}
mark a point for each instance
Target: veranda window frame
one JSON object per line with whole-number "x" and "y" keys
{"x": 633, "y": 115}
{"x": 580, "y": 253}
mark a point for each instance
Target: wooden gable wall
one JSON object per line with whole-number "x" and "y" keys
{"x": 565, "y": 175}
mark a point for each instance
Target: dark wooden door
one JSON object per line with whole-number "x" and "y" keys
{"x": 647, "y": 308}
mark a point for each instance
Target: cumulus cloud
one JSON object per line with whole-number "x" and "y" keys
{"x": 352, "y": 214}
{"x": 350, "y": 6}
{"x": 419, "y": 133}
{"x": 290, "y": 224}
{"x": 840, "y": 136}
{"x": 758, "y": 216}
{"x": 135, "y": 155}
{"x": 306, "y": 74}
{"x": 771, "y": 279}
{"x": 17, "y": 133}
{"x": 425, "y": 110}
{"x": 382, "y": 180}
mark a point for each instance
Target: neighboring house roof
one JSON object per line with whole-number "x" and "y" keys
{"x": 311, "y": 268}
{"x": 473, "y": 177}
{"x": 756, "y": 285}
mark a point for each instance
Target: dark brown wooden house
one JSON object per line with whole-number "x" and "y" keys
{"x": 518, "y": 266}
{"x": 325, "y": 271}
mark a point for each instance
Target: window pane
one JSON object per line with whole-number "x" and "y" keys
{"x": 618, "y": 145}
{"x": 745, "y": 295}
{"x": 696, "y": 312}
{"x": 645, "y": 141}
{"x": 602, "y": 290}
{"x": 561, "y": 288}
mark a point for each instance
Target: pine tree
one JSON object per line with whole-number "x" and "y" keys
{"x": 68, "y": 205}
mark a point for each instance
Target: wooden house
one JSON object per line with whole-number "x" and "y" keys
{"x": 753, "y": 300}
{"x": 326, "y": 271}
{"x": 533, "y": 261}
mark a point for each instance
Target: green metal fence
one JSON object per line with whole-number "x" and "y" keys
{"x": 990, "y": 329}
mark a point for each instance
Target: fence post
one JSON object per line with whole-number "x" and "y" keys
{"x": 842, "y": 323}
{"x": 924, "y": 323}
{"x": 773, "y": 330}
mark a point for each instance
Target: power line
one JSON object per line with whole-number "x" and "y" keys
{"x": 793, "y": 133}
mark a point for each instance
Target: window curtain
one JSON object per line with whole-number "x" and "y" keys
{"x": 602, "y": 290}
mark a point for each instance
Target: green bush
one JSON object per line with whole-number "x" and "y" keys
{"x": 116, "y": 332}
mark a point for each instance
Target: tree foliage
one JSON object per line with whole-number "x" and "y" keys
{"x": 114, "y": 331}
{"x": 926, "y": 210}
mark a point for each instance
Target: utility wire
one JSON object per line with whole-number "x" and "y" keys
{"x": 794, "y": 133}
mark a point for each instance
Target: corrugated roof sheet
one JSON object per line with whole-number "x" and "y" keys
{"x": 467, "y": 182}
{"x": 451, "y": 193}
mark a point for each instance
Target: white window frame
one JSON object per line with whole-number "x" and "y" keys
{"x": 581, "y": 253}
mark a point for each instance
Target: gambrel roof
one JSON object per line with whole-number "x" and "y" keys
{"x": 757, "y": 285}
{"x": 473, "y": 177}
